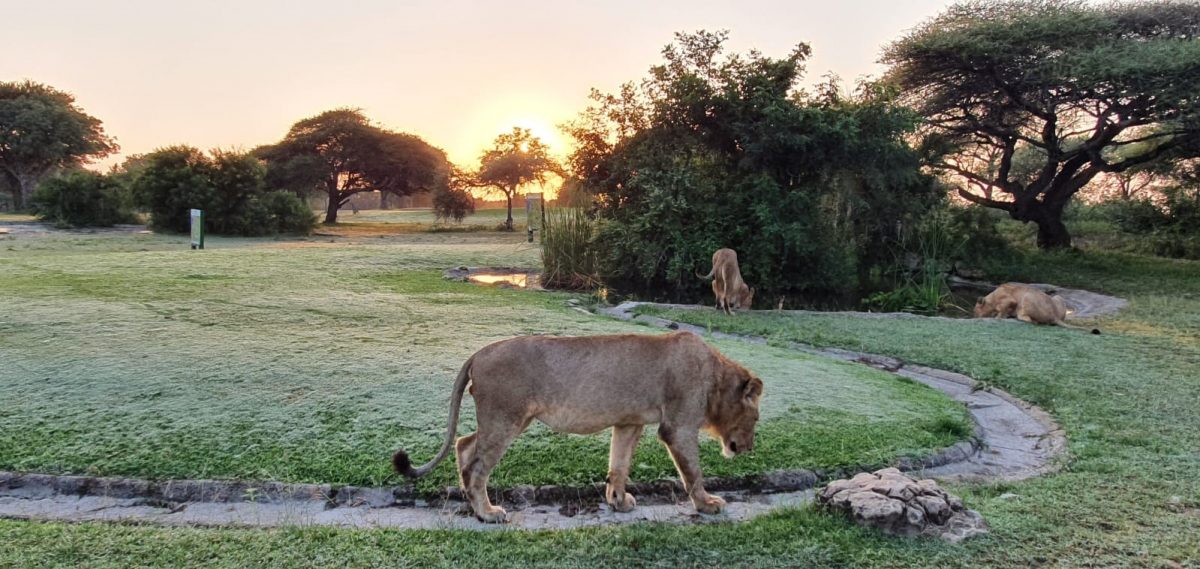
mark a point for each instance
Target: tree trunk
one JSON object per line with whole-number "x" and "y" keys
{"x": 508, "y": 223}
{"x": 25, "y": 187}
{"x": 331, "y": 208}
{"x": 1052, "y": 232}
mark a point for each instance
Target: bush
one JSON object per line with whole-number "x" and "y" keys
{"x": 228, "y": 186}
{"x": 975, "y": 233}
{"x": 1134, "y": 216}
{"x": 288, "y": 213}
{"x": 83, "y": 199}
{"x": 711, "y": 152}
{"x": 451, "y": 203}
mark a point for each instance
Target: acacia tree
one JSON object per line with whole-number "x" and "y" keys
{"x": 1064, "y": 80}
{"x": 340, "y": 153}
{"x": 515, "y": 159}
{"x": 42, "y": 130}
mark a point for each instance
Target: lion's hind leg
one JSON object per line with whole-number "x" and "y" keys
{"x": 464, "y": 449}
{"x": 496, "y": 432}
{"x": 624, "y": 442}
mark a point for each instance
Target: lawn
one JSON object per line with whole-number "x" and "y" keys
{"x": 312, "y": 360}
{"x": 1129, "y": 497}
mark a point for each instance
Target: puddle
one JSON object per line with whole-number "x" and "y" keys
{"x": 519, "y": 280}
{"x": 514, "y": 277}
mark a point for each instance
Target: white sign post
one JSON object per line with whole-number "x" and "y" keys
{"x": 534, "y": 213}
{"x": 197, "y": 229}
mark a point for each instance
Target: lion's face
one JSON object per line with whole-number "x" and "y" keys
{"x": 981, "y": 308}
{"x": 744, "y": 300}
{"x": 736, "y": 415}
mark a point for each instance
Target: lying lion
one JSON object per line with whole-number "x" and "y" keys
{"x": 586, "y": 384}
{"x": 1025, "y": 303}
{"x": 731, "y": 291}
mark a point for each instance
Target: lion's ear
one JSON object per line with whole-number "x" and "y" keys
{"x": 752, "y": 388}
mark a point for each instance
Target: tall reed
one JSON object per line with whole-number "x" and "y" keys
{"x": 568, "y": 261}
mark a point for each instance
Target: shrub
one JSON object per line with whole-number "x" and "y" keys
{"x": 711, "y": 152}
{"x": 228, "y": 186}
{"x": 288, "y": 213}
{"x": 83, "y": 199}
{"x": 452, "y": 203}
{"x": 1134, "y": 216}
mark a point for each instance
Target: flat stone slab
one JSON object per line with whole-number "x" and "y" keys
{"x": 1013, "y": 441}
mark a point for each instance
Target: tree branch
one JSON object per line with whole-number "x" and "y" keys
{"x": 1006, "y": 206}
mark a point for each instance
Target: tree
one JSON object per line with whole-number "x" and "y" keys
{"x": 42, "y": 130}
{"x": 716, "y": 151}
{"x": 454, "y": 201}
{"x": 341, "y": 153}
{"x": 1068, "y": 80}
{"x": 515, "y": 159}
{"x": 228, "y": 186}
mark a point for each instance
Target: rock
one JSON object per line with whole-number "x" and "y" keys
{"x": 863, "y": 478}
{"x": 936, "y": 509}
{"x": 902, "y": 489}
{"x": 869, "y": 508}
{"x": 892, "y": 502}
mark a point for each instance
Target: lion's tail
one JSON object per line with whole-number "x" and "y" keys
{"x": 710, "y": 274}
{"x": 400, "y": 460}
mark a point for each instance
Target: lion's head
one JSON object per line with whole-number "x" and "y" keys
{"x": 744, "y": 299}
{"x": 982, "y": 310}
{"x": 733, "y": 412}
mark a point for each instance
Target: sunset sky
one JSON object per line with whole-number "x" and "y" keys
{"x": 236, "y": 74}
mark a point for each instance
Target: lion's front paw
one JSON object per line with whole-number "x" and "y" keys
{"x": 709, "y": 504}
{"x": 628, "y": 503}
{"x": 492, "y": 515}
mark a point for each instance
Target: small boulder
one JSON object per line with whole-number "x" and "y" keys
{"x": 898, "y": 505}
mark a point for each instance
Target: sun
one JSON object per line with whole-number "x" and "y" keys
{"x": 546, "y": 132}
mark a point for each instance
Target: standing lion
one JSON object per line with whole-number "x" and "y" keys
{"x": 586, "y": 384}
{"x": 727, "y": 284}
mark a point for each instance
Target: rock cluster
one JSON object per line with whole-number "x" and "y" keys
{"x": 899, "y": 505}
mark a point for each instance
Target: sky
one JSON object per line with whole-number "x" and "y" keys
{"x": 236, "y": 74}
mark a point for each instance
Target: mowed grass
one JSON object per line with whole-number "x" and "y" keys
{"x": 392, "y": 221}
{"x": 1129, "y": 496}
{"x": 312, "y": 360}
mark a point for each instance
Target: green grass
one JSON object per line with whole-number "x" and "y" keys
{"x": 312, "y": 360}
{"x": 409, "y": 220}
{"x": 1129, "y": 497}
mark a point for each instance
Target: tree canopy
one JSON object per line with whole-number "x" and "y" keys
{"x": 515, "y": 159}
{"x": 340, "y": 153}
{"x": 1063, "y": 83}
{"x": 715, "y": 150}
{"x": 42, "y": 130}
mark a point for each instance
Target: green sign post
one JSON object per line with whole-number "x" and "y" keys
{"x": 197, "y": 229}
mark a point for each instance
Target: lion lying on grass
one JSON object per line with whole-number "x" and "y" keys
{"x": 1025, "y": 303}
{"x": 586, "y": 384}
{"x": 727, "y": 284}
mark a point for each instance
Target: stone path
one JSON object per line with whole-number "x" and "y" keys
{"x": 1013, "y": 441}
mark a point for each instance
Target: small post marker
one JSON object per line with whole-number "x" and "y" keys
{"x": 534, "y": 213}
{"x": 197, "y": 218}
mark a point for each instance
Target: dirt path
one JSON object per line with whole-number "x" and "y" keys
{"x": 1013, "y": 441}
